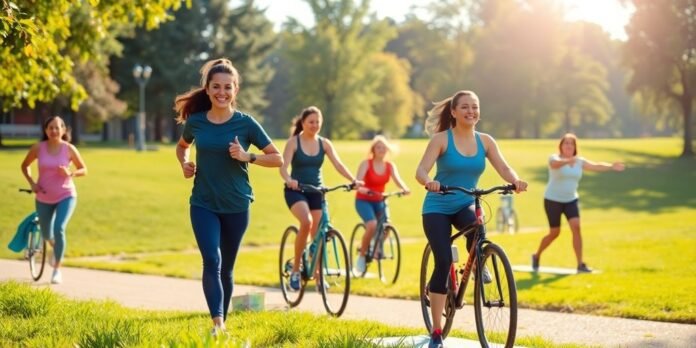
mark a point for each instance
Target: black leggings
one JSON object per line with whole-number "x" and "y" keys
{"x": 438, "y": 230}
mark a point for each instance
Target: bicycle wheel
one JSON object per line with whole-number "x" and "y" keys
{"x": 389, "y": 255}
{"x": 335, "y": 273}
{"x": 495, "y": 304}
{"x": 500, "y": 220}
{"x": 355, "y": 246}
{"x": 513, "y": 222}
{"x": 36, "y": 254}
{"x": 427, "y": 265}
{"x": 285, "y": 261}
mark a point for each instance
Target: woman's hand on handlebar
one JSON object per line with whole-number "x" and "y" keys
{"x": 292, "y": 184}
{"x": 36, "y": 188}
{"x": 520, "y": 185}
{"x": 432, "y": 186}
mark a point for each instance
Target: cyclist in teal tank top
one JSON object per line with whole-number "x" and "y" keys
{"x": 219, "y": 202}
{"x": 460, "y": 153}
{"x": 305, "y": 151}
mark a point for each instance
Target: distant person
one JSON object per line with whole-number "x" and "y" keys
{"x": 56, "y": 196}
{"x": 460, "y": 153}
{"x": 375, "y": 172}
{"x": 304, "y": 152}
{"x": 221, "y": 192}
{"x": 561, "y": 196}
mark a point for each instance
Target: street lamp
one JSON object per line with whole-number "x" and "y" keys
{"x": 142, "y": 75}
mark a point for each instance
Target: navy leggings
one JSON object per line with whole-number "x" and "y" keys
{"x": 218, "y": 237}
{"x": 438, "y": 230}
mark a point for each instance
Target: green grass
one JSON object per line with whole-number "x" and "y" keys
{"x": 40, "y": 318}
{"x": 638, "y": 226}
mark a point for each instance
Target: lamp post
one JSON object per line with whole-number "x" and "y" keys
{"x": 142, "y": 75}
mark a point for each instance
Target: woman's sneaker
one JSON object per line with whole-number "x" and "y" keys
{"x": 582, "y": 268}
{"x": 360, "y": 264}
{"x": 535, "y": 263}
{"x": 57, "y": 277}
{"x": 436, "y": 339}
{"x": 295, "y": 281}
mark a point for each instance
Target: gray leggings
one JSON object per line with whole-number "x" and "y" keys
{"x": 53, "y": 219}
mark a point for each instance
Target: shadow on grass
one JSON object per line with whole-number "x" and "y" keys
{"x": 649, "y": 183}
{"x": 535, "y": 280}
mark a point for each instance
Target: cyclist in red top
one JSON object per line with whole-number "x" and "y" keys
{"x": 375, "y": 171}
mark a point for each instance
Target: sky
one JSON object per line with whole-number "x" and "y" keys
{"x": 609, "y": 14}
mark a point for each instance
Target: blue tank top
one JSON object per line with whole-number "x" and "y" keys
{"x": 455, "y": 169}
{"x": 307, "y": 169}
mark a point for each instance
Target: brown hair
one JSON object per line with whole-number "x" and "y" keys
{"x": 440, "y": 116}
{"x": 297, "y": 120}
{"x": 564, "y": 138}
{"x": 196, "y": 99}
{"x": 66, "y": 136}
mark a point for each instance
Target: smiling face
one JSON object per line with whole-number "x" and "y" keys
{"x": 222, "y": 90}
{"x": 466, "y": 110}
{"x": 312, "y": 123}
{"x": 379, "y": 150}
{"x": 568, "y": 147}
{"x": 55, "y": 129}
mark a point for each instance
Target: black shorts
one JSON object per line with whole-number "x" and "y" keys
{"x": 555, "y": 209}
{"x": 314, "y": 199}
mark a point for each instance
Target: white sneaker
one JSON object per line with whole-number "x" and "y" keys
{"x": 360, "y": 264}
{"x": 57, "y": 277}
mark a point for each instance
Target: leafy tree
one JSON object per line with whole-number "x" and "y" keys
{"x": 208, "y": 29}
{"x": 330, "y": 64}
{"x": 41, "y": 40}
{"x": 398, "y": 102}
{"x": 661, "y": 53}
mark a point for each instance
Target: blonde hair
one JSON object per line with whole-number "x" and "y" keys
{"x": 381, "y": 139}
{"x": 440, "y": 116}
{"x": 565, "y": 137}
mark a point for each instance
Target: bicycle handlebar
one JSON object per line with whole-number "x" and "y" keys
{"x": 386, "y": 194}
{"x": 26, "y": 190}
{"x": 506, "y": 189}
{"x": 323, "y": 189}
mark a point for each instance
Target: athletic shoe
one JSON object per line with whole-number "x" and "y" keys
{"x": 535, "y": 263}
{"x": 295, "y": 281}
{"x": 436, "y": 339}
{"x": 360, "y": 264}
{"x": 57, "y": 277}
{"x": 582, "y": 268}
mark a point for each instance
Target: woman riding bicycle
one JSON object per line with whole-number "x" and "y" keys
{"x": 460, "y": 152}
{"x": 305, "y": 151}
{"x": 375, "y": 172}
{"x": 56, "y": 196}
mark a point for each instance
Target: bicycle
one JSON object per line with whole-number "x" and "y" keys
{"x": 329, "y": 244}
{"x": 506, "y": 217}
{"x": 384, "y": 247}
{"x": 495, "y": 303}
{"x": 36, "y": 246}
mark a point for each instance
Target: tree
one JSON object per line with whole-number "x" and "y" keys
{"x": 398, "y": 102}
{"x": 208, "y": 29}
{"x": 330, "y": 64}
{"x": 40, "y": 43}
{"x": 661, "y": 53}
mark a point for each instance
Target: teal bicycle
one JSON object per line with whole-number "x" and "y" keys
{"x": 384, "y": 248}
{"x": 36, "y": 247}
{"x": 330, "y": 247}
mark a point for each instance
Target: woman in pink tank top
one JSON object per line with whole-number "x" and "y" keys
{"x": 56, "y": 196}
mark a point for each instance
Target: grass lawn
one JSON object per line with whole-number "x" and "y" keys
{"x": 40, "y": 318}
{"x": 638, "y": 226}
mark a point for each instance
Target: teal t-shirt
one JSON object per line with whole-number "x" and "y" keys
{"x": 221, "y": 183}
{"x": 455, "y": 169}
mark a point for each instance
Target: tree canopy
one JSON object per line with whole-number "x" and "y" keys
{"x": 42, "y": 40}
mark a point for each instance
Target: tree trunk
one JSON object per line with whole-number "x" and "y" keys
{"x": 687, "y": 105}
{"x": 158, "y": 128}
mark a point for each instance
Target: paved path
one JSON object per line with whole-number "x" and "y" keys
{"x": 153, "y": 292}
